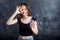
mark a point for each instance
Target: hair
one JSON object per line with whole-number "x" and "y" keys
{"x": 27, "y": 7}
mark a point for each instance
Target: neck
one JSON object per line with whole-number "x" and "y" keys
{"x": 25, "y": 16}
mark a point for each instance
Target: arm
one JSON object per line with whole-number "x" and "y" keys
{"x": 34, "y": 28}
{"x": 11, "y": 20}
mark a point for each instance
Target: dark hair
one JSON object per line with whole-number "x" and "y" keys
{"x": 28, "y": 8}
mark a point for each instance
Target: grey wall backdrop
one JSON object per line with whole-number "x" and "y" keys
{"x": 47, "y": 13}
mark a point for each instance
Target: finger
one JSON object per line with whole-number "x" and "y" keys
{"x": 17, "y": 6}
{"x": 31, "y": 24}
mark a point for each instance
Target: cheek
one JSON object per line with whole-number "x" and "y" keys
{"x": 26, "y": 10}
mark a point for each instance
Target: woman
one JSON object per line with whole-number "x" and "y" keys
{"x": 27, "y": 23}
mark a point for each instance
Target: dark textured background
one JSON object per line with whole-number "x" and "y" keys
{"x": 47, "y": 13}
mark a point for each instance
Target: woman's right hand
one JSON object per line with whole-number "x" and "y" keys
{"x": 17, "y": 10}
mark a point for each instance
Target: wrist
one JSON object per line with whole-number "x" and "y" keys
{"x": 15, "y": 13}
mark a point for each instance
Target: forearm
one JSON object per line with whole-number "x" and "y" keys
{"x": 11, "y": 20}
{"x": 35, "y": 30}
{"x": 12, "y": 17}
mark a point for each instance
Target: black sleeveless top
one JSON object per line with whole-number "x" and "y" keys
{"x": 24, "y": 29}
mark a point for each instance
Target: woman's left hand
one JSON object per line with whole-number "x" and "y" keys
{"x": 33, "y": 26}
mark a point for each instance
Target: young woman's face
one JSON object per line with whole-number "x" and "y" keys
{"x": 23, "y": 9}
